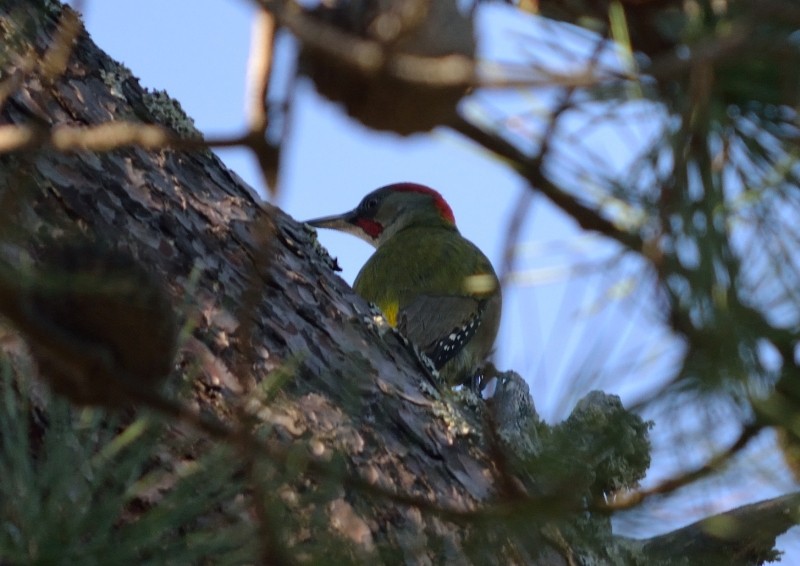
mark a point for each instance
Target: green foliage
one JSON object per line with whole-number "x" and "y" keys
{"x": 78, "y": 488}
{"x": 566, "y": 469}
{"x": 603, "y": 442}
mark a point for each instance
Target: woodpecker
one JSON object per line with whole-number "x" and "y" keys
{"x": 435, "y": 286}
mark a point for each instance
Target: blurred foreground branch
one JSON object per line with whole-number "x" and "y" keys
{"x": 347, "y": 448}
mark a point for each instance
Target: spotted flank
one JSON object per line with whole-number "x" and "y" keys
{"x": 447, "y": 348}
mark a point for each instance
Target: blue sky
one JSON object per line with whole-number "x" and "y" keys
{"x": 197, "y": 52}
{"x": 565, "y": 332}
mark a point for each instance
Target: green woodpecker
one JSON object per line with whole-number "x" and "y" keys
{"x": 430, "y": 282}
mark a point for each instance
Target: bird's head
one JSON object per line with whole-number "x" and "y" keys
{"x": 386, "y": 211}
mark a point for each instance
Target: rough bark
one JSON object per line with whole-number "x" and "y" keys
{"x": 730, "y": 537}
{"x": 265, "y": 298}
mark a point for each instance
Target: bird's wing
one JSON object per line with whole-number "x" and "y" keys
{"x": 431, "y": 313}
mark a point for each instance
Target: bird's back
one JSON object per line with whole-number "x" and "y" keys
{"x": 446, "y": 287}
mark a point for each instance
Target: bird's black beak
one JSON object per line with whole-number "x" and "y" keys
{"x": 341, "y": 222}
{"x": 338, "y": 222}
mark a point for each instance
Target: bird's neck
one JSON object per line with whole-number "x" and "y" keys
{"x": 416, "y": 226}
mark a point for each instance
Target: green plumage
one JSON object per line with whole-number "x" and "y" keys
{"x": 439, "y": 265}
{"x": 435, "y": 286}
{"x": 420, "y": 278}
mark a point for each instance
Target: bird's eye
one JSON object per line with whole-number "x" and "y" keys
{"x": 370, "y": 204}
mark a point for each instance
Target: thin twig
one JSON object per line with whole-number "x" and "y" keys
{"x": 586, "y": 217}
{"x": 712, "y": 465}
{"x": 259, "y": 69}
{"x": 259, "y": 66}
